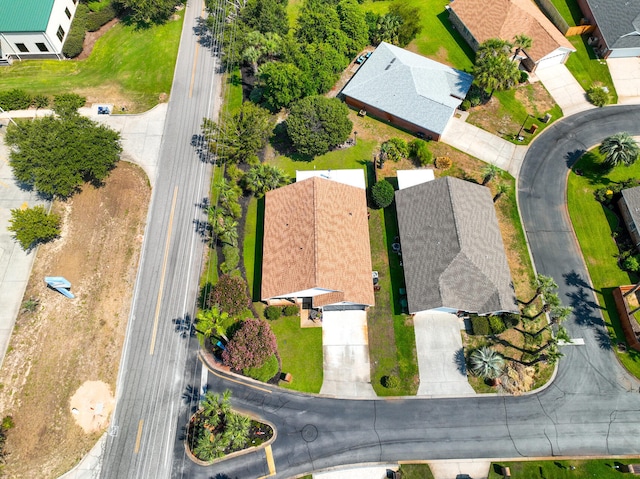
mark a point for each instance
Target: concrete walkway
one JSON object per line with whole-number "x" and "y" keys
{"x": 471, "y": 469}
{"x": 345, "y": 347}
{"x": 358, "y": 472}
{"x": 564, "y": 89}
{"x": 484, "y": 145}
{"x": 440, "y": 355}
{"x": 625, "y": 73}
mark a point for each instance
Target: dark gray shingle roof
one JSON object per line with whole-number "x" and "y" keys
{"x": 619, "y": 21}
{"x": 409, "y": 86}
{"x": 632, "y": 199}
{"x": 452, "y": 249}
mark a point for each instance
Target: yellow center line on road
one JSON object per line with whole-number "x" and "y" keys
{"x": 195, "y": 62}
{"x": 136, "y": 450}
{"x": 270, "y": 462}
{"x": 164, "y": 268}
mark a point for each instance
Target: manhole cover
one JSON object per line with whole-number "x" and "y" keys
{"x": 309, "y": 433}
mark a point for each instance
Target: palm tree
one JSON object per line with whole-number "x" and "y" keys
{"x": 263, "y": 178}
{"x": 210, "y": 322}
{"x": 551, "y": 301}
{"x": 493, "y": 68}
{"x": 251, "y": 55}
{"x": 522, "y": 42}
{"x": 618, "y": 149}
{"x": 558, "y": 315}
{"x": 486, "y": 363}
{"x": 544, "y": 285}
{"x": 501, "y": 189}
{"x": 388, "y": 28}
{"x": 489, "y": 172}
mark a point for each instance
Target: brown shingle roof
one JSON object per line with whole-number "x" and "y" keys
{"x": 505, "y": 19}
{"x": 316, "y": 235}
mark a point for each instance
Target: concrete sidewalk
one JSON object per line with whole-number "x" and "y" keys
{"x": 625, "y": 73}
{"x": 564, "y": 89}
{"x": 484, "y": 145}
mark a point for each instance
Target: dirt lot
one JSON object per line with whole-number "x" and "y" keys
{"x": 66, "y": 343}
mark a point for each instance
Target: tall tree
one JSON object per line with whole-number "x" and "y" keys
{"x": 150, "y": 11}
{"x": 263, "y": 178}
{"x": 353, "y": 24}
{"x": 266, "y": 16}
{"x": 544, "y": 285}
{"x": 501, "y": 189}
{"x": 493, "y": 68}
{"x": 282, "y": 83}
{"x": 619, "y": 149}
{"x": 239, "y": 135}
{"x": 410, "y": 21}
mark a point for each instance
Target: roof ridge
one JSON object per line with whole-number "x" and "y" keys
{"x": 315, "y": 231}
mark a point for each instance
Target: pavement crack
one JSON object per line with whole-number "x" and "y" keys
{"x": 506, "y": 423}
{"x": 612, "y": 418}
{"x": 375, "y": 429}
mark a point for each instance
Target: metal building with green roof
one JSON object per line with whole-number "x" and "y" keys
{"x": 32, "y": 29}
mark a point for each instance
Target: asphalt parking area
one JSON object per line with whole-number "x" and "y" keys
{"x": 345, "y": 345}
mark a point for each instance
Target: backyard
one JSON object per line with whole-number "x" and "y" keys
{"x": 129, "y": 67}
{"x": 594, "y": 226}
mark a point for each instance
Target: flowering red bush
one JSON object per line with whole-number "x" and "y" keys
{"x": 250, "y": 346}
{"x": 230, "y": 294}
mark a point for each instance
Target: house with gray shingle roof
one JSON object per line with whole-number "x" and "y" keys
{"x": 452, "y": 250}
{"x": 629, "y": 206}
{"x": 34, "y": 28}
{"x": 408, "y": 90}
{"x": 617, "y": 33}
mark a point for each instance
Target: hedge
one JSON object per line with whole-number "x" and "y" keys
{"x": 75, "y": 39}
{"x": 272, "y": 312}
{"x": 15, "y": 99}
{"x": 95, "y": 20}
{"x": 265, "y": 372}
{"x": 480, "y": 325}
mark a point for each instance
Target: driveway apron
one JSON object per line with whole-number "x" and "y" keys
{"x": 440, "y": 355}
{"x": 625, "y": 73}
{"x": 564, "y": 89}
{"x": 345, "y": 344}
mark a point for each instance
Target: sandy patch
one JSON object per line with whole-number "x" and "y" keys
{"x": 91, "y": 406}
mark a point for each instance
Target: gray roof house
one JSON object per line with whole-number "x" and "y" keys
{"x": 408, "y": 90}
{"x": 452, "y": 250}
{"x": 629, "y": 206}
{"x": 617, "y": 33}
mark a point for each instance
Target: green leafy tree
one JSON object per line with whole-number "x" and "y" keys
{"x": 353, "y": 24}
{"x": 382, "y": 193}
{"x": 387, "y": 29}
{"x": 146, "y": 12}
{"x": 239, "y": 135}
{"x": 410, "y": 21}
{"x": 68, "y": 103}
{"x": 282, "y": 84}
{"x": 250, "y": 346}
{"x": 419, "y": 151}
{"x": 486, "y": 363}
{"x": 322, "y": 65}
{"x": 317, "y": 123}
{"x": 318, "y": 22}
{"x": 32, "y": 226}
{"x": 489, "y": 172}
{"x": 619, "y": 149}
{"x": 493, "y": 68}
{"x": 57, "y": 155}
{"x": 263, "y": 178}
{"x": 210, "y": 322}
{"x": 501, "y": 189}
{"x": 266, "y": 16}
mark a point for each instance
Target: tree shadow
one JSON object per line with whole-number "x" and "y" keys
{"x": 201, "y": 147}
{"x": 573, "y": 156}
{"x": 584, "y": 309}
{"x": 464, "y": 46}
{"x": 184, "y": 326}
{"x": 256, "y": 287}
{"x": 203, "y": 229}
{"x": 588, "y": 165}
{"x": 202, "y": 31}
{"x": 282, "y": 144}
{"x": 460, "y": 361}
{"x": 603, "y": 339}
{"x": 572, "y": 278}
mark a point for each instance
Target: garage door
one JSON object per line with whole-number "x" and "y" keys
{"x": 553, "y": 59}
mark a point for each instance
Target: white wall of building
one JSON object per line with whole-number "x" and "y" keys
{"x": 306, "y": 293}
{"x": 59, "y": 19}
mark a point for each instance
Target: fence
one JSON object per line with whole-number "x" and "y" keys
{"x": 582, "y": 29}
{"x": 552, "y": 14}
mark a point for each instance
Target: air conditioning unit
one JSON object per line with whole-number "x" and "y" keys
{"x": 592, "y": 40}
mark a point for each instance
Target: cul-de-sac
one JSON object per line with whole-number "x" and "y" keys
{"x": 319, "y": 239}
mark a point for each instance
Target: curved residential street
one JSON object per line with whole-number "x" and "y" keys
{"x": 591, "y": 408}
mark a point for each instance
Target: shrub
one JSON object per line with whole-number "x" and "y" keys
{"x": 394, "y": 149}
{"x": 390, "y": 382}
{"x": 15, "y": 99}
{"x": 265, "y": 372}
{"x": 230, "y": 294}
{"x": 480, "y": 325}
{"x": 67, "y": 103}
{"x": 41, "y": 101}
{"x": 382, "y": 193}
{"x": 75, "y": 38}
{"x": 234, "y": 173}
{"x": 420, "y": 152}
{"x": 598, "y": 95}
{"x": 251, "y": 345}
{"x": 496, "y": 324}
{"x": 231, "y": 258}
{"x": 631, "y": 263}
{"x": 510, "y": 320}
{"x": 272, "y": 312}
{"x": 97, "y": 19}
{"x": 524, "y": 76}
{"x": 465, "y": 105}
{"x": 443, "y": 162}
{"x": 33, "y": 225}
{"x": 475, "y": 99}
{"x": 291, "y": 310}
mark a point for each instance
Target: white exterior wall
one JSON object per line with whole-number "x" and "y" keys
{"x": 624, "y": 53}
{"x": 306, "y": 293}
{"x": 59, "y": 19}
{"x": 556, "y": 57}
{"x": 9, "y": 41}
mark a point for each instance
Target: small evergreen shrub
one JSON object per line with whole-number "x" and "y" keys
{"x": 390, "y": 382}
{"x": 75, "y": 38}
{"x": 510, "y": 320}
{"x": 496, "y": 324}
{"x": 382, "y": 193}
{"x": 465, "y": 105}
{"x": 394, "y": 149}
{"x": 41, "y": 101}
{"x": 68, "y": 103}
{"x": 272, "y": 312}
{"x": 480, "y": 325}
{"x": 598, "y": 96}
{"x": 443, "y": 162}
{"x": 234, "y": 173}
{"x": 265, "y": 372}
{"x": 631, "y": 263}
{"x": 15, "y": 99}
{"x": 291, "y": 310}
{"x": 524, "y": 76}
{"x": 231, "y": 258}
{"x": 97, "y": 19}
{"x": 419, "y": 151}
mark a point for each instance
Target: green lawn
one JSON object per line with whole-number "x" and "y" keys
{"x": 301, "y": 354}
{"x": 416, "y": 471}
{"x": 593, "y": 225}
{"x": 587, "y": 69}
{"x": 234, "y": 91}
{"x": 252, "y": 246}
{"x": 570, "y": 11}
{"x": 599, "y": 468}
{"x": 128, "y": 65}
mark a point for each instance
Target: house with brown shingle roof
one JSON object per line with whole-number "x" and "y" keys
{"x": 316, "y": 245}
{"x": 480, "y": 20}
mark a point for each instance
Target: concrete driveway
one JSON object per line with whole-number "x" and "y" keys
{"x": 564, "y": 89}
{"x": 440, "y": 355}
{"x": 345, "y": 344}
{"x": 625, "y": 73}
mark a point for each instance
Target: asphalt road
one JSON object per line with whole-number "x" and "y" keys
{"x": 158, "y": 365}
{"x": 591, "y": 408}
